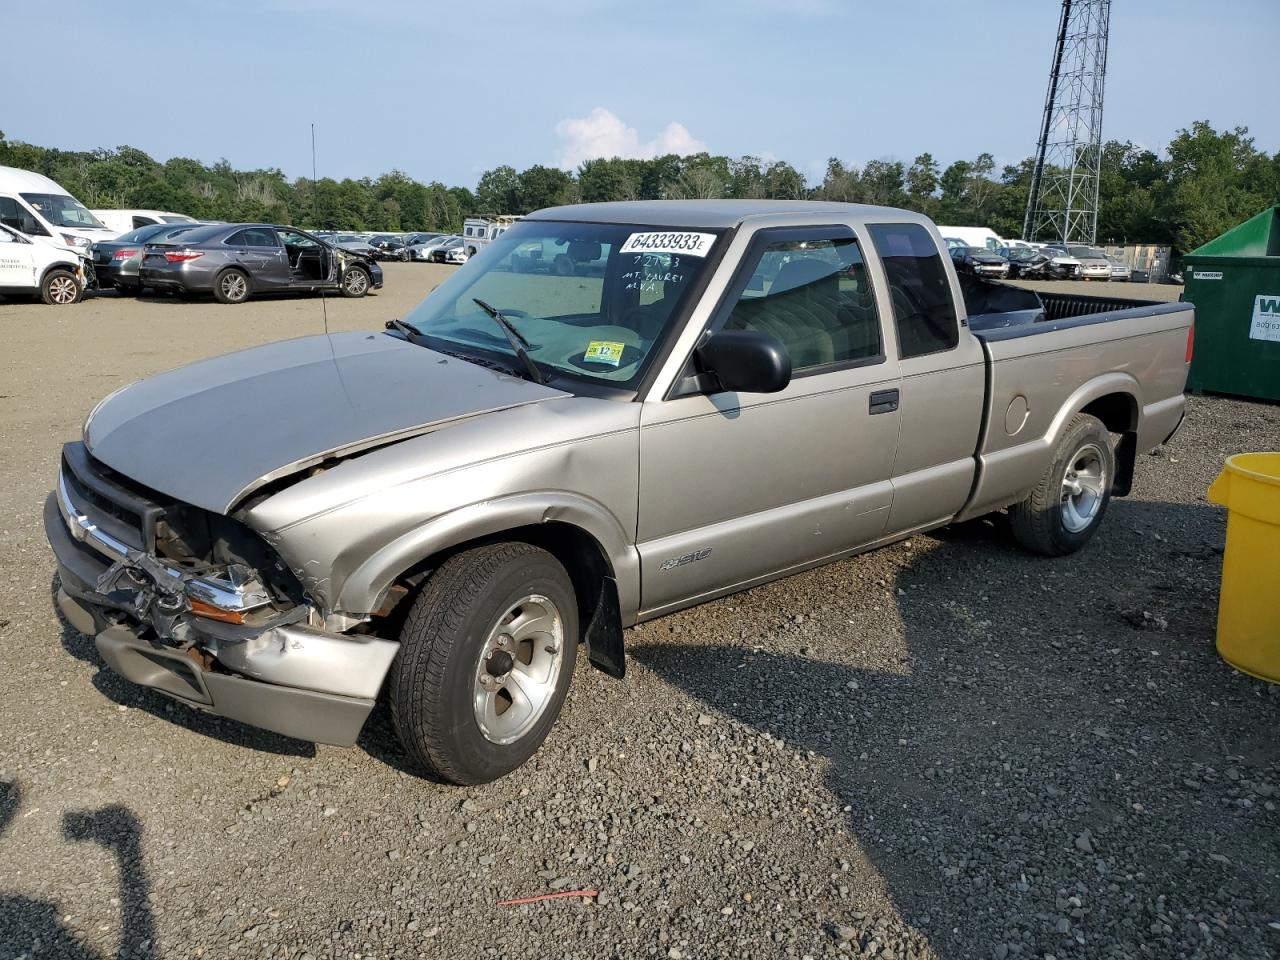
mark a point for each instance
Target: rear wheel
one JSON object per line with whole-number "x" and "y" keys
{"x": 60, "y": 288}
{"x": 486, "y": 658}
{"x": 232, "y": 286}
{"x": 1067, "y": 505}
{"x": 355, "y": 282}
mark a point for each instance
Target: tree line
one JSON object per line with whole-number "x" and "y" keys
{"x": 1203, "y": 183}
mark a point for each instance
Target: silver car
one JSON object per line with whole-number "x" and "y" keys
{"x": 530, "y": 463}
{"x": 424, "y": 251}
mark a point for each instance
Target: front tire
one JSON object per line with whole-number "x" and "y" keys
{"x": 355, "y": 282}
{"x": 231, "y": 286}
{"x": 60, "y": 288}
{"x": 1066, "y": 506}
{"x": 486, "y": 658}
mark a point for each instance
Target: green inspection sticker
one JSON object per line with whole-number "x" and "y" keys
{"x": 604, "y": 351}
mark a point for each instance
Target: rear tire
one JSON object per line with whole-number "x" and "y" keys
{"x": 1066, "y": 506}
{"x": 465, "y": 702}
{"x": 60, "y": 288}
{"x": 231, "y": 286}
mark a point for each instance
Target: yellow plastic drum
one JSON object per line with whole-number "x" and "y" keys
{"x": 1249, "y": 605}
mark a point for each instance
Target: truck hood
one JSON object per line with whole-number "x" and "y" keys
{"x": 211, "y": 433}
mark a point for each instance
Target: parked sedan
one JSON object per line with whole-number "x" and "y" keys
{"x": 1094, "y": 264}
{"x": 117, "y": 262}
{"x": 387, "y": 247}
{"x": 448, "y": 249}
{"x": 1120, "y": 271}
{"x": 236, "y": 261}
{"x": 426, "y": 250}
{"x": 1026, "y": 262}
{"x": 354, "y": 243}
{"x": 980, "y": 262}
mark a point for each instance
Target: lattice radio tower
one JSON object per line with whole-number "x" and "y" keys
{"x": 1063, "y": 203}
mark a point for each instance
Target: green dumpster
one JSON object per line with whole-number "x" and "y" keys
{"x": 1234, "y": 282}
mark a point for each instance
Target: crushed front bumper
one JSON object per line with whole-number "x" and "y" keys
{"x": 291, "y": 678}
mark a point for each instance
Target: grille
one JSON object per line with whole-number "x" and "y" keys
{"x": 128, "y": 513}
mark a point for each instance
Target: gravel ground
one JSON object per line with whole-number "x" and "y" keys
{"x": 946, "y": 748}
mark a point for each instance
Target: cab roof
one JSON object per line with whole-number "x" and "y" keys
{"x": 716, "y": 213}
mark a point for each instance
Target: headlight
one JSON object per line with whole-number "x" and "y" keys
{"x": 78, "y": 242}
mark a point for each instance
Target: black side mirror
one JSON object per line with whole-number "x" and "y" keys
{"x": 746, "y": 361}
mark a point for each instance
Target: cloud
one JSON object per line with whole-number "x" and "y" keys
{"x": 601, "y": 133}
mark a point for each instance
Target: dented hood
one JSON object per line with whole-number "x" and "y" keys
{"x": 211, "y": 433}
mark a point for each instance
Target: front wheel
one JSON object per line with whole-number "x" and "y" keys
{"x": 1066, "y": 506}
{"x": 485, "y": 661}
{"x": 60, "y": 288}
{"x": 355, "y": 282}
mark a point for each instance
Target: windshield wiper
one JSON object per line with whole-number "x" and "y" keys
{"x": 410, "y": 332}
{"x": 515, "y": 338}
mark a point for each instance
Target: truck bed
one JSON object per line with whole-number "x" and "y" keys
{"x": 994, "y": 306}
{"x": 1049, "y": 353}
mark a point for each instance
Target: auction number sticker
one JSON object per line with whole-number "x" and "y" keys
{"x": 690, "y": 244}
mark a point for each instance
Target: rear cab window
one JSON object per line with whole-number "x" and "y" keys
{"x": 924, "y": 310}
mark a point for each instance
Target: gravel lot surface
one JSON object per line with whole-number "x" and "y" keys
{"x": 946, "y": 748}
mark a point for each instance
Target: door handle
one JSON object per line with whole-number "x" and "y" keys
{"x": 883, "y": 401}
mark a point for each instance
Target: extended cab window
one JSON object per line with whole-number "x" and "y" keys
{"x": 814, "y": 296}
{"x": 923, "y": 309}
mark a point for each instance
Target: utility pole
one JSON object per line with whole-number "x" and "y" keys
{"x": 1063, "y": 202}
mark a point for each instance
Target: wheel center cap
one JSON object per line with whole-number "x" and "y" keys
{"x": 499, "y": 663}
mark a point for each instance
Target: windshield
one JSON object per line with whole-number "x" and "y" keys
{"x": 62, "y": 210}
{"x": 592, "y": 299}
{"x": 1088, "y": 253}
{"x": 177, "y": 218}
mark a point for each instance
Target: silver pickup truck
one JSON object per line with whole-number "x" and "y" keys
{"x": 717, "y": 394}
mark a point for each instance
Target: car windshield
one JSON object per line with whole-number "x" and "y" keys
{"x": 592, "y": 299}
{"x": 978, "y": 251}
{"x": 177, "y": 218}
{"x": 62, "y": 210}
{"x": 1088, "y": 253}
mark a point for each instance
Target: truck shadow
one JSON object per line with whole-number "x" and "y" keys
{"x": 30, "y": 927}
{"x": 121, "y": 691}
{"x": 1032, "y": 700}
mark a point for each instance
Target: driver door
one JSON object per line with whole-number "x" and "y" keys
{"x": 738, "y": 488}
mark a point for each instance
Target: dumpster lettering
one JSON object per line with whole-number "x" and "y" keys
{"x": 1266, "y": 318}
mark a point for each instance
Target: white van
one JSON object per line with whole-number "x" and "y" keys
{"x": 39, "y": 268}
{"x": 479, "y": 232}
{"x": 981, "y": 237}
{"x": 35, "y": 205}
{"x": 122, "y": 221}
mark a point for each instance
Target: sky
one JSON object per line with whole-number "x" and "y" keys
{"x": 446, "y": 89}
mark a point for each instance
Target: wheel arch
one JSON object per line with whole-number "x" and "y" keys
{"x": 59, "y": 265}
{"x": 239, "y": 268}
{"x": 1119, "y": 412}
{"x": 580, "y": 533}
